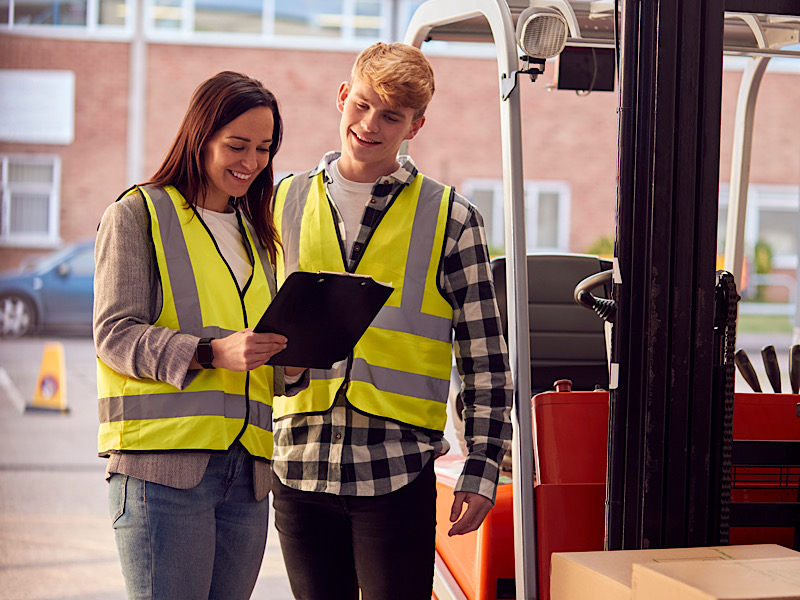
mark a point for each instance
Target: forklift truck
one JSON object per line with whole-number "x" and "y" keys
{"x": 560, "y": 496}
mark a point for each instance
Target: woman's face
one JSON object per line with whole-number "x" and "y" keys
{"x": 235, "y": 155}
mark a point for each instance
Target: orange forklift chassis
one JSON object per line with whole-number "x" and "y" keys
{"x": 570, "y": 432}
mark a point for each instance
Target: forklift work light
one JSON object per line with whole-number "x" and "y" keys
{"x": 541, "y": 32}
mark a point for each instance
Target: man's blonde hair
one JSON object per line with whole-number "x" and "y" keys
{"x": 399, "y": 73}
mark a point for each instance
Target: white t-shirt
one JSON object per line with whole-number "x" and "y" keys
{"x": 225, "y": 229}
{"x": 350, "y": 199}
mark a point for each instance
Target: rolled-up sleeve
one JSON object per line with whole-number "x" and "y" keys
{"x": 290, "y": 386}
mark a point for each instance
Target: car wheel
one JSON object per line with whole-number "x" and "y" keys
{"x": 17, "y": 316}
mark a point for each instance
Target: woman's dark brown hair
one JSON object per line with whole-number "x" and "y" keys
{"x": 214, "y": 104}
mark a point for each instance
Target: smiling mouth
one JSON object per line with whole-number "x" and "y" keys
{"x": 363, "y": 140}
{"x": 240, "y": 176}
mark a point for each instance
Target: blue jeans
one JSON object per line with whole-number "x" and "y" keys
{"x": 206, "y": 542}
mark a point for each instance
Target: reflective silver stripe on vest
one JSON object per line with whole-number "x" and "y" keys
{"x": 338, "y": 370}
{"x": 180, "y": 272}
{"x": 196, "y": 404}
{"x": 423, "y": 325}
{"x": 408, "y": 384}
{"x": 408, "y": 317}
{"x": 293, "y": 207}
{"x": 184, "y": 286}
{"x": 420, "y": 248}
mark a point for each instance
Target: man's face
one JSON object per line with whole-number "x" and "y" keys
{"x": 371, "y": 132}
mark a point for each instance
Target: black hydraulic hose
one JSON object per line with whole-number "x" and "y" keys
{"x": 604, "y": 307}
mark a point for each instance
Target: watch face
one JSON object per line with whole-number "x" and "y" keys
{"x": 205, "y": 354}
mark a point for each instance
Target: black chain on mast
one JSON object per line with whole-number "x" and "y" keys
{"x": 726, "y": 310}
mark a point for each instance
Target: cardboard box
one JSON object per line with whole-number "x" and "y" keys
{"x": 762, "y": 579}
{"x": 608, "y": 575}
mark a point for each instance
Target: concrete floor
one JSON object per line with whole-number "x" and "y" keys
{"x": 56, "y": 542}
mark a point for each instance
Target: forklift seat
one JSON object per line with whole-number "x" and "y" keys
{"x": 567, "y": 340}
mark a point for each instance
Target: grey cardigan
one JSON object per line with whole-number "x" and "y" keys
{"x": 127, "y": 300}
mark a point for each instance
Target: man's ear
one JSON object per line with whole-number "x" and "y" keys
{"x": 344, "y": 91}
{"x": 415, "y": 127}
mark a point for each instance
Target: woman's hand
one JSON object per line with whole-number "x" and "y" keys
{"x": 246, "y": 350}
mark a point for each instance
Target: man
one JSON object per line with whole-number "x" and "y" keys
{"x": 355, "y": 489}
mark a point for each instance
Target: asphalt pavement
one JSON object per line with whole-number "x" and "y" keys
{"x": 56, "y": 541}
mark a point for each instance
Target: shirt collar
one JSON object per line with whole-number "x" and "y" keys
{"x": 404, "y": 175}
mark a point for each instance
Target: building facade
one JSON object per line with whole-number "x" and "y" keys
{"x": 93, "y": 92}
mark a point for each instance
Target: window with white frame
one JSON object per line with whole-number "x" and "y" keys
{"x": 772, "y": 218}
{"x": 273, "y": 20}
{"x": 308, "y": 24}
{"x": 770, "y": 244}
{"x": 405, "y": 12}
{"x": 48, "y": 13}
{"x": 30, "y": 200}
{"x": 547, "y": 213}
{"x": 63, "y": 13}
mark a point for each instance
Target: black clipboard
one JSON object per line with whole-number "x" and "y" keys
{"x": 322, "y": 315}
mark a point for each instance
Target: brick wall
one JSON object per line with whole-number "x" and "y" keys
{"x": 566, "y": 137}
{"x": 93, "y": 166}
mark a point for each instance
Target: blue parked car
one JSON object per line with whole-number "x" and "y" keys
{"x": 56, "y": 292}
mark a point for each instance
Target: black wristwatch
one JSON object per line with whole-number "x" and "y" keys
{"x": 204, "y": 353}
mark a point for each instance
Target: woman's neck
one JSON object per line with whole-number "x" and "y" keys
{"x": 220, "y": 205}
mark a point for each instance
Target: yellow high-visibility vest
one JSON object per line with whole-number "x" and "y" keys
{"x": 200, "y": 297}
{"x": 400, "y": 369}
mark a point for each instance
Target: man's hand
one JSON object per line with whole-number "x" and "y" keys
{"x": 477, "y": 508}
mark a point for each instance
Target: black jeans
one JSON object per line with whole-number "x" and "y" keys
{"x": 334, "y": 545}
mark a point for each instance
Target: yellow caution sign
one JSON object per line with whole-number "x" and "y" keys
{"x": 51, "y": 386}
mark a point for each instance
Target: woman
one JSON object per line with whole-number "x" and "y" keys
{"x": 184, "y": 271}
